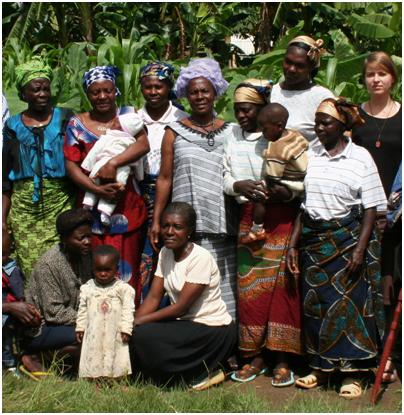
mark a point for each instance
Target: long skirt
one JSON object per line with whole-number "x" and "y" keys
{"x": 34, "y": 224}
{"x": 223, "y": 249}
{"x": 268, "y": 297}
{"x": 169, "y": 351}
{"x": 343, "y": 316}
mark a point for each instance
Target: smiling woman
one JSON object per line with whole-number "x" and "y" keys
{"x": 35, "y": 189}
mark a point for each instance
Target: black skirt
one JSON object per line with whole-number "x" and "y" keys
{"x": 171, "y": 351}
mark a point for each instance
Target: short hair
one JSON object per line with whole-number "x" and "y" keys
{"x": 104, "y": 250}
{"x": 185, "y": 210}
{"x": 382, "y": 59}
{"x": 279, "y": 109}
{"x": 70, "y": 220}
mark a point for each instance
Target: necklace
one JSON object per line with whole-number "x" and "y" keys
{"x": 105, "y": 127}
{"x": 210, "y": 135}
{"x": 378, "y": 142}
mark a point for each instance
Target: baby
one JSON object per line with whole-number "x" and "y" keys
{"x": 285, "y": 162}
{"x": 113, "y": 142}
{"x": 105, "y": 319}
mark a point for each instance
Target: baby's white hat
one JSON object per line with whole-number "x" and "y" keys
{"x": 131, "y": 123}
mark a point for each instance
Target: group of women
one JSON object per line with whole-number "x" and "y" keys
{"x": 320, "y": 254}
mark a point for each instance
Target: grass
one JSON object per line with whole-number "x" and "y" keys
{"x": 58, "y": 394}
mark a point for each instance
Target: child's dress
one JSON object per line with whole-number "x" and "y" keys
{"x": 104, "y": 312}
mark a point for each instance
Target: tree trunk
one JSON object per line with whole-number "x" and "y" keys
{"x": 182, "y": 32}
{"x": 264, "y": 31}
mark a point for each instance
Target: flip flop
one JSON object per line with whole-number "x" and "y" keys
{"x": 288, "y": 382}
{"x": 252, "y": 377}
{"x": 37, "y": 376}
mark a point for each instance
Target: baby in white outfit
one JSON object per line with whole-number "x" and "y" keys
{"x": 113, "y": 142}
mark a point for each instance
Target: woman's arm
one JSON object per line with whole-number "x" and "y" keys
{"x": 107, "y": 191}
{"x": 163, "y": 185}
{"x": 358, "y": 253}
{"x": 133, "y": 153}
{"x": 6, "y": 202}
{"x": 188, "y": 295}
{"x": 292, "y": 255}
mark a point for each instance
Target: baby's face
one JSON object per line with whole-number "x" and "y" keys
{"x": 270, "y": 130}
{"x": 105, "y": 268}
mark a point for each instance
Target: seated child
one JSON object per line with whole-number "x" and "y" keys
{"x": 13, "y": 290}
{"x": 285, "y": 162}
{"x": 113, "y": 142}
{"x": 105, "y": 319}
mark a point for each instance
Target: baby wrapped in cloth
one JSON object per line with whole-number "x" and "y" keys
{"x": 112, "y": 143}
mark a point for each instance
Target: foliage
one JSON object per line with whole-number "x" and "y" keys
{"x": 130, "y": 34}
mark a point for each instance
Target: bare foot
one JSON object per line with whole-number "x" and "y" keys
{"x": 32, "y": 363}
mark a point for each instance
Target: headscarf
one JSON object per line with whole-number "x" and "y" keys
{"x": 160, "y": 69}
{"x": 255, "y": 91}
{"x": 70, "y": 220}
{"x": 202, "y": 67}
{"x": 101, "y": 73}
{"x": 314, "y": 48}
{"x": 341, "y": 110}
{"x": 33, "y": 69}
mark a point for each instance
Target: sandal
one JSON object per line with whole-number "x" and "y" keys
{"x": 390, "y": 373}
{"x": 283, "y": 377}
{"x": 351, "y": 388}
{"x": 255, "y": 371}
{"x": 213, "y": 379}
{"x": 37, "y": 376}
{"x": 314, "y": 379}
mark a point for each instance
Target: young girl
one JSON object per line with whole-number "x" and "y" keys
{"x": 105, "y": 319}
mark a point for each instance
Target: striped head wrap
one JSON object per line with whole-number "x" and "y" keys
{"x": 101, "y": 73}
{"x": 162, "y": 70}
{"x": 341, "y": 110}
{"x": 255, "y": 91}
{"x": 33, "y": 69}
{"x": 313, "y": 47}
{"x": 201, "y": 68}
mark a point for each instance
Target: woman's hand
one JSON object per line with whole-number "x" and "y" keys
{"x": 154, "y": 235}
{"x": 292, "y": 261}
{"x": 356, "y": 260}
{"x": 79, "y": 336}
{"x": 110, "y": 191}
{"x": 125, "y": 337}
{"x": 251, "y": 189}
{"x": 279, "y": 193}
{"x": 25, "y": 312}
{"x": 107, "y": 173}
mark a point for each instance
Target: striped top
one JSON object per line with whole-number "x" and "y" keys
{"x": 198, "y": 178}
{"x": 335, "y": 184}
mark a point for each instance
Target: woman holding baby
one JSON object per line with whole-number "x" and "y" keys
{"x": 83, "y": 132}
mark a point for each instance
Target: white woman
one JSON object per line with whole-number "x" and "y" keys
{"x": 381, "y": 135}
{"x": 298, "y": 92}
{"x": 343, "y": 318}
{"x": 156, "y": 83}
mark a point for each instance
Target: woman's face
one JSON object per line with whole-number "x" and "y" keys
{"x": 175, "y": 231}
{"x": 246, "y": 114}
{"x": 201, "y": 95}
{"x": 37, "y": 94}
{"x": 328, "y": 129}
{"x": 155, "y": 92}
{"x": 296, "y": 66}
{"x": 101, "y": 95}
{"x": 78, "y": 241}
{"x": 378, "y": 80}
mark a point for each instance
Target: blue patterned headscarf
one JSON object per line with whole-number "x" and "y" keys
{"x": 162, "y": 70}
{"x": 101, "y": 73}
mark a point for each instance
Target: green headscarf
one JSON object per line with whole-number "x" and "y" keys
{"x": 33, "y": 69}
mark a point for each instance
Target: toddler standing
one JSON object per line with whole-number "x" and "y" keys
{"x": 115, "y": 141}
{"x": 105, "y": 319}
{"x": 285, "y": 162}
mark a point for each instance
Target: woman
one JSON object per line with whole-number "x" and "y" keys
{"x": 55, "y": 285}
{"x": 268, "y": 299}
{"x": 381, "y": 135}
{"x": 156, "y": 82}
{"x": 191, "y": 338}
{"x": 343, "y": 319}
{"x": 82, "y": 133}
{"x": 297, "y": 92}
{"x": 192, "y": 168}
{"x": 35, "y": 188}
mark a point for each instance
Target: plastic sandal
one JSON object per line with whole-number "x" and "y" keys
{"x": 250, "y": 378}
{"x": 350, "y": 389}
{"x": 311, "y": 380}
{"x": 37, "y": 376}
{"x": 214, "y": 379}
{"x": 290, "y": 380}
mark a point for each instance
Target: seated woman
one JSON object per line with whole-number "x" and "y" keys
{"x": 55, "y": 285}
{"x": 192, "y": 337}
{"x": 343, "y": 319}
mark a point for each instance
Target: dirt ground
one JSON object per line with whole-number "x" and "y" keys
{"x": 323, "y": 399}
